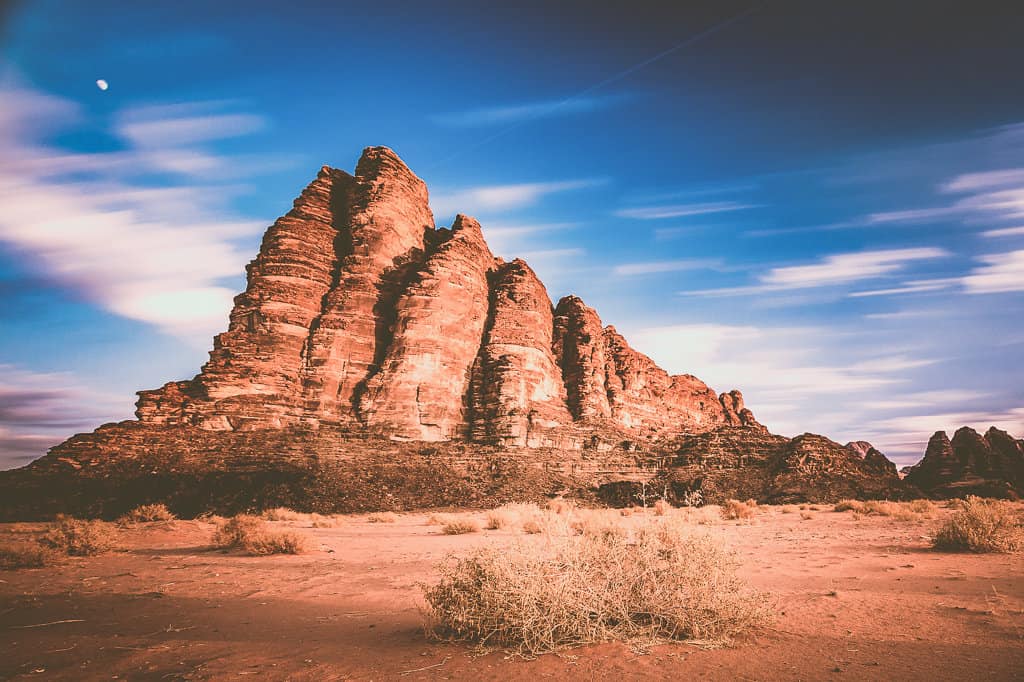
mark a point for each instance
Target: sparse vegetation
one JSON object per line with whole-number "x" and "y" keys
{"x": 77, "y": 537}
{"x": 251, "y": 535}
{"x": 460, "y": 526}
{"x": 281, "y": 514}
{"x": 24, "y": 555}
{"x": 849, "y": 505}
{"x": 661, "y": 507}
{"x": 147, "y": 513}
{"x": 657, "y": 584}
{"x": 734, "y": 509}
{"x": 982, "y": 525}
{"x": 382, "y": 517}
{"x": 901, "y": 511}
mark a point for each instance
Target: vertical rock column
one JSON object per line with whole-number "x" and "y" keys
{"x": 421, "y": 389}
{"x": 387, "y": 221}
{"x": 252, "y": 377}
{"x": 578, "y": 345}
{"x": 518, "y": 394}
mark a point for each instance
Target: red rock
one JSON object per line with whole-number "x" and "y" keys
{"x": 420, "y": 391}
{"x": 519, "y": 397}
{"x": 359, "y": 312}
{"x": 971, "y": 464}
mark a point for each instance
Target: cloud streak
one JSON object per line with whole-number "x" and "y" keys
{"x": 680, "y": 210}
{"x": 831, "y": 271}
{"x": 85, "y": 220}
{"x": 497, "y": 198}
{"x": 529, "y": 111}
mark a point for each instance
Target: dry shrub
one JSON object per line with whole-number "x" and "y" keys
{"x": 560, "y": 505}
{"x": 147, "y": 513}
{"x": 460, "y": 527}
{"x": 982, "y": 526}
{"x": 855, "y": 506}
{"x": 281, "y": 514}
{"x": 734, "y": 509}
{"x": 658, "y": 585}
{"x": 498, "y": 519}
{"x": 383, "y": 517}
{"x": 77, "y": 537}
{"x": 923, "y": 507}
{"x": 251, "y": 535}
{"x": 662, "y": 507}
{"x": 806, "y": 516}
{"x": 532, "y": 527}
{"x": 25, "y": 555}
{"x": 789, "y": 509}
{"x": 625, "y": 512}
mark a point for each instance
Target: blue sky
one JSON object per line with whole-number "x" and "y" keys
{"x": 821, "y": 205}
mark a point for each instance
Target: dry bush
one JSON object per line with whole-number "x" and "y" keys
{"x": 147, "y": 513}
{"x": 924, "y": 507}
{"x": 25, "y": 555}
{"x": 662, "y": 507}
{"x": 560, "y": 505}
{"x": 532, "y": 527}
{"x": 281, "y": 514}
{"x": 658, "y": 585}
{"x": 251, "y": 535}
{"x": 855, "y": 506}
{"x": 595, "y": 523}
{"x": 460, "y": 527}
{"x": 77, "y": 537}
{"x": 734, "y": 509}
{"x": 806, "y": 516}
{"x": 382, "y": 517}
{"x": 788, "y": 509}
{"x": 498, "y": 519}
{"x": 625, "y": 512}
{"x": 509, "y": 514}
{"x": 982, "y": 526}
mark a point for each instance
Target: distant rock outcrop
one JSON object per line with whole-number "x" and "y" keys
{"x": 744, "y": 463}
{"x": 971, "y": 464}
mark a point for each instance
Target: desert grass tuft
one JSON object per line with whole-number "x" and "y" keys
{"x": 460, "y": 526}
{"x": 656, "y": 584}
{"x": 982, "y": 525}
{"x": 734, "y": 509}
{"x": 382, "y": 517}
{"x": 662, "y": 507}
{"x": 251, "y": 535}
{"x": 25, "y": 555}
{"x": 77, "y": 537}
{"x": 147, "y": 513}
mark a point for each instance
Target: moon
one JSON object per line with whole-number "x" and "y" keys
{"x": 102, "y": 84}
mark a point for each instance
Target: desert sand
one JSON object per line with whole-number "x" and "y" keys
{"x": 857, "y": 597}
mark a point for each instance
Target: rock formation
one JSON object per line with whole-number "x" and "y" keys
{"x": 377, "y": 361}
{"x": 359, "y": 311}
{"x": 742, "y": 463}
{"x": 971, "y": 464}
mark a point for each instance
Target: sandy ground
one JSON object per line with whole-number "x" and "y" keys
{"x": 858, "y": 598}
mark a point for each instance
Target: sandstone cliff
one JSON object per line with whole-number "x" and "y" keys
{"x": 375, "y": 361}
{"x": 359, "y": 311}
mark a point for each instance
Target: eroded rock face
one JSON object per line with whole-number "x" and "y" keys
{"x": 360, "y": 313}
{"x": 420, "y": 391}
{"x": 519, "y": 397}
{"x": 741, "y": 462}
{"x": 971, "y": 464}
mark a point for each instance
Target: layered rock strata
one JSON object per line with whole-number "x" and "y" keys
{"x": 359, "y": 312}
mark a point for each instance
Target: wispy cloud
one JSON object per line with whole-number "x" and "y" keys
{"x": 493, "y": 198}
{"x": 1001, "y": 272}
{"x": 39, "y": 410}
{"x": 178, "y": 125}
{"x": 151, "y": 254}
{"x": 911, "y": 287}
{"x": 657, "y": 267}
{"x": 528, "y": 111}
{"x": 680, "y": 210}
{"x": 1005, "y": 232}
{"x": 830, "y": 271}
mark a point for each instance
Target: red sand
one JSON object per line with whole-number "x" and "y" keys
{"x": 857, "y": 599}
